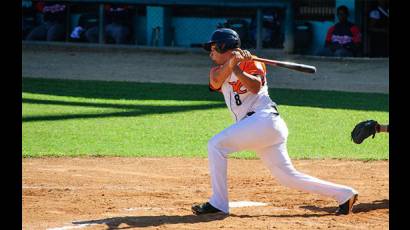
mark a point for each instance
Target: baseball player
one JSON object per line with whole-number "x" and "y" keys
{"x": 258, "y": 127}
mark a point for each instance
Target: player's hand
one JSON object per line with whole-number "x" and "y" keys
{"x": 247, "y": 56}
{"x": 238, "y": 56}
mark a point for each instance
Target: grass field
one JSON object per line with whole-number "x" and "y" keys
{"x": 96, "y": 118}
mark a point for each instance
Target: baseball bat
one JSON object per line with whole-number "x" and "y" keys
{"x": 289, "y": 65}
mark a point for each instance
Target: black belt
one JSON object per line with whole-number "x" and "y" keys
{"x": 273, "y": 106}
{"x": 277, "y": 111}
{"x": 250, "y": 113}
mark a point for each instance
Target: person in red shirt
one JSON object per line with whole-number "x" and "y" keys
{"x": 342, "y": 39}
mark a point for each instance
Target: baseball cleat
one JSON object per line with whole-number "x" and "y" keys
{"x": 346, "y": 207}
{"x": 204, "y": 208}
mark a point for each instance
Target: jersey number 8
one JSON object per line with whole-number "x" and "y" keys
{"x": 238, "y": 100}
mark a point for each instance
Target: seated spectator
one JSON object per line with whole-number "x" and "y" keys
{"x": 87, "y": 29}
{"x": 271, "y": 35}
{"x": 344, "y": 38}
{"x": 240, "y": 26}
{"x": 53, "y": 26}
{"x": 378, "y": 29}
{"x": 118, "y": 28}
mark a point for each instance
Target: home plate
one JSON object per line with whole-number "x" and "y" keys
{"x": 239, "y": 204}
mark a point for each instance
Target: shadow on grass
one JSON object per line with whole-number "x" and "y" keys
{"x": 150, "y": 221}
{"x": 360, "y": 207}
{"x": 159, "y": 91}
{"x": 133, "y": 110}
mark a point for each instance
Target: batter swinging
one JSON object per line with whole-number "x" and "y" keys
{"x": 258, "y": 127}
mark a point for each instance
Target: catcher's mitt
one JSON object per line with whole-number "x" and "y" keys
{"x": 363, "y": 130}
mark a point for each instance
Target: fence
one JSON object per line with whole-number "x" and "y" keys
{"x": 160, "y": 24}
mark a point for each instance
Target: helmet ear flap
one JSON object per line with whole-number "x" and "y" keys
{"x": 220, "y": 47}
{"x": 224, "y": 46}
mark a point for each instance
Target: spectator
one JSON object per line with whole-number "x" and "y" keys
{"x": 378, "y": 29}
{"x": 344, "y": 38}
{"x": 271, "y": 30}
{"x": 28, "y": 17}
{"x": 240, "y": 26}
{"x": 87, "y": 29}
{"x": 53, "y": 26}
{"x": 118, "y": 28}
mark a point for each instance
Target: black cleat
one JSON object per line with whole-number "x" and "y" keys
{"x": 346, "y": 207}
{"x": 204, "y": 208}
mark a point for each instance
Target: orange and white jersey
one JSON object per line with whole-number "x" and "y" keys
{"x": 240, "y": 100}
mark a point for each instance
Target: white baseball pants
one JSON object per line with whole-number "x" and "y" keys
{"x": 266, "y": 134}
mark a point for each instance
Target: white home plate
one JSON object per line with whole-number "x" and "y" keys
{"x": 147, "y": 208}
{"x": 72, "y": 227}
{"x": 239, "y": 204}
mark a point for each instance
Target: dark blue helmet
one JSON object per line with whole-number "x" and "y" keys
{"x": 224, "y": 40}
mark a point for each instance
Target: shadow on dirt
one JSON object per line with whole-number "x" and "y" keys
{"x": 367, "y": 207}
{"x": 359, "y": 207}
{"x": 148, "y": 221}
{"x": 306, "y": 215}
{"x": 327, "y": 211}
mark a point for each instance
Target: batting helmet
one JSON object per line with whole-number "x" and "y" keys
{"x": 224, "y": 39}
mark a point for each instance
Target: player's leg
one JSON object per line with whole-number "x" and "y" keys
{"x": 92, "y": 34}
{"x": 342, "y": 52}
{"x": 121, "y": 34}
{"x": 250, "y": 133}
{"x": 276, "y": 159}
{"x": 39, "y": 33}
{"x": 56, "y": 32}
{"x": 109, "y": 33}
{"x": 324, "y": 51}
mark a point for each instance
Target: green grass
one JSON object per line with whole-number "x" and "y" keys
{"x": 93, "y": 118}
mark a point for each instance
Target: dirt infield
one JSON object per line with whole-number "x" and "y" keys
{"x": 156, "y": 193}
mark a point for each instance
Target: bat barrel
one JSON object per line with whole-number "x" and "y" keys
{"x": 299, "y": 67}
{"x": 289, "y": 65}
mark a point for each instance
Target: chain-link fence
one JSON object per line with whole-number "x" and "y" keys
{"x": 149, "y": 25}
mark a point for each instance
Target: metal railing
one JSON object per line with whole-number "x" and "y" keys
{"x": 180, "y": 25}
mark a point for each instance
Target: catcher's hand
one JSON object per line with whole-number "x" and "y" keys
{"x": 363, "y": 130}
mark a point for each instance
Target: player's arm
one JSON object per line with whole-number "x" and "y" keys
{"x": 218, "y": 75}
{"x": 328, "y": 39}
{"x": 382, "y": 128}
{"x": 252, "y": 83}
{"x": 356, "y": 39}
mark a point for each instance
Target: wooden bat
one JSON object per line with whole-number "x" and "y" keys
{"x": 289, "y": 65}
